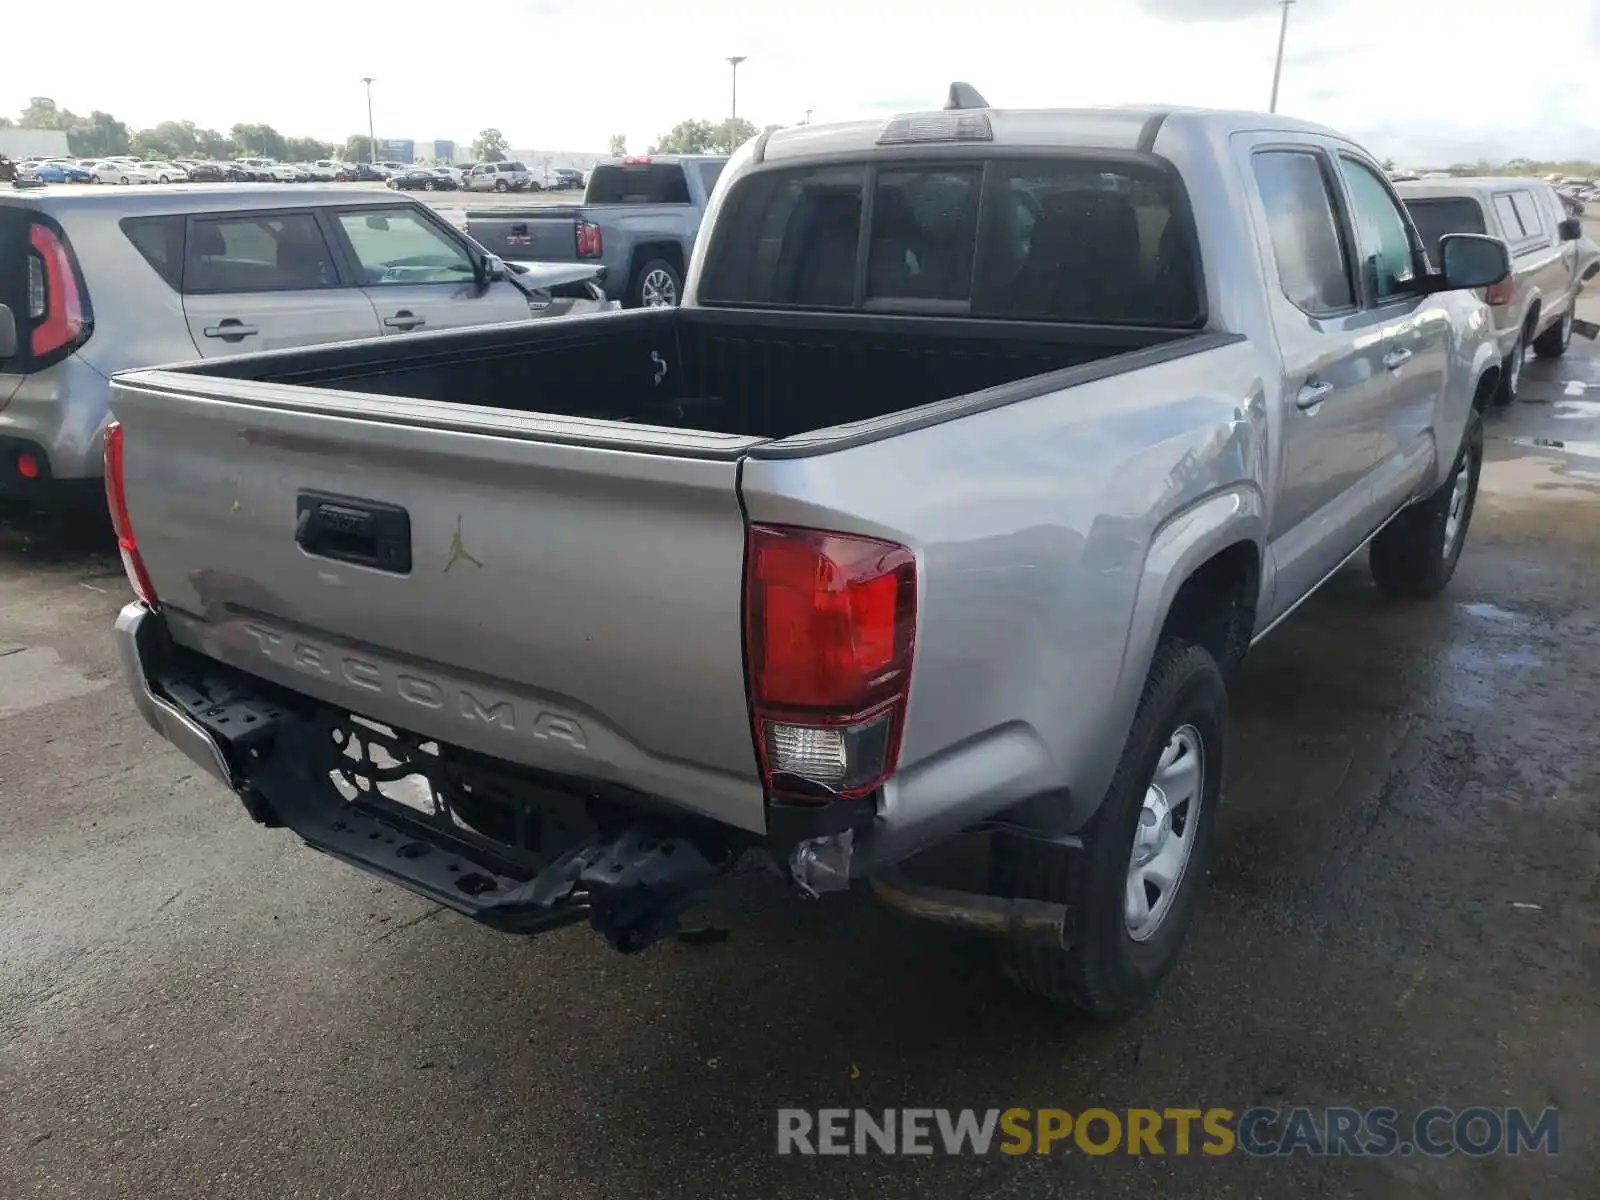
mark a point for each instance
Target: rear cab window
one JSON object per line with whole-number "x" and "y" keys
{"x": 1436, "y": 216}
{"x": 1071, "y": 239}
{"x": 642, "y": 182}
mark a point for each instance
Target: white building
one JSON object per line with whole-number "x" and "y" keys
{"x": 34, "y": 143}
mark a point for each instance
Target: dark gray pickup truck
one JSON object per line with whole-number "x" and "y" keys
{"x": 639, "y": 217}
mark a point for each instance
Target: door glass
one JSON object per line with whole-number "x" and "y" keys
{"x": 1381, "y": 231}
{"x": 1312, "y": 268}
{"x": 262, "y": 253}
{"x": 1510, "y": 223}
{"x": 401, "y": 247}
{"x": 1527, "y": 212}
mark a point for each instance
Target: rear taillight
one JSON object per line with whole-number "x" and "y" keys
{"x": 830, "y": 623}
{"x": 588, "y": 234}
{"x": 1497, "y": 294}
{"x": 117, "y": 502}
{"x": 55, "y": 304}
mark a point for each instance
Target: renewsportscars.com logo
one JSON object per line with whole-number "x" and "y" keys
{"x": 1261, "y": 1132}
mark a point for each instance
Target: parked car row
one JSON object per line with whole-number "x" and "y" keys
{"x": 131, "y": 280}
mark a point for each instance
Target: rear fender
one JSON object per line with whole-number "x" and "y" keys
{"x": 1181, "y": 545}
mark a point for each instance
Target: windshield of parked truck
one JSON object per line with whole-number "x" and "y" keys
{"x": 1446, "y": 214}
{"x": 1064, "y": 239}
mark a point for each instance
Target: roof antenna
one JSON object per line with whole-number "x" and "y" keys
{"x": 964, "y": 95}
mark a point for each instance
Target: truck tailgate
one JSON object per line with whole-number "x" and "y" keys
{"x": 573, "y": 595}
{"x": 546, "y": 233}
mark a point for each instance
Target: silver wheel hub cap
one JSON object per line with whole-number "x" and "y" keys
{"x": 658, "y": 290}
{"x": 1163, "y": 840}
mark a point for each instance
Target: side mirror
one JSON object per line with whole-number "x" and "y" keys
{"x": 490, "y": 269}
{"x": 8, "y": 332}
{"x": 1472, "y": 260}
{"x": 1570, "y": 230}
{"x": 377, "y": 222}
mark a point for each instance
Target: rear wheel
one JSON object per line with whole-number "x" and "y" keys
{"x": 123, "y": 180}
{"x": 1553, "y": 342}
{"x": 1136, "y": 885}
{"x": 1416, "y": 554}
{"x": 656, "y": 284}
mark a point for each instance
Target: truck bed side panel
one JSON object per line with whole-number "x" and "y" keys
{"x": 1031, "y": 524}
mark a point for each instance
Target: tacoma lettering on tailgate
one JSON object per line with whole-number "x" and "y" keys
{"x": 496, "y": 711}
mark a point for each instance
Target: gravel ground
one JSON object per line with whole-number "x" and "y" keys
{"x": 1403, "y": 911}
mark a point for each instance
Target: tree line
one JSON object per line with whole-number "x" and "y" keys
{"x": 100, "y": 134}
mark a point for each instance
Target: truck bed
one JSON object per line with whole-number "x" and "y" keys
{"x": 767, "y": 375}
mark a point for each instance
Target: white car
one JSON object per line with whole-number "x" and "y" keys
{"x": 390, "y": 168}
{"x": 111, "y": 170}
{"x": 324, "y": 169}
{"x": 454, "y": 173}
{"x": 164, "y": 172}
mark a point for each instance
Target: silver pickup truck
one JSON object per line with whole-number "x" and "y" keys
{"x": 914, "y": 551}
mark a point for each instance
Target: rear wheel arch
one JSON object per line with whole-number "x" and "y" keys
{"x": 669, "y": 251}
{"x": 1215, "y": 605}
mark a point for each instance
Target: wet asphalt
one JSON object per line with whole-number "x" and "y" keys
{"x": 1404, "y": 911}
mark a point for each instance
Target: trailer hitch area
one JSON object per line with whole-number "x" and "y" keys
{"x": 636, "y": 886}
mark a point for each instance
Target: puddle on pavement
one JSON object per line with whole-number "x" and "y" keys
{"x": 1493, "y": 612}
{"x": 1567, "y": 472}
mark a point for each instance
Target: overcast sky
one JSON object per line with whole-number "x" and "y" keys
{"x": 1426, "y": 81}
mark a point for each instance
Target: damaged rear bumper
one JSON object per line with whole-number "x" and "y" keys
{"x": 513, "y": 848}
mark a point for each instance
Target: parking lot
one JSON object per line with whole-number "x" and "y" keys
{"x": 1404, "y": 911}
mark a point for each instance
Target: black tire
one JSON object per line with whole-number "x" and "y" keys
{"x": 1416, "y": 554}
{"x": 500, "y": 185}
{"x": 1511, "y": 373}
{"x": 1106, "y": 971}
{"x": 650, "y": 276}
{"x": 1553, "y": 342}
{"x": 427, "y": 185}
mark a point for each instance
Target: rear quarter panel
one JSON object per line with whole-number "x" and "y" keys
{"x": 1046, "y": 532}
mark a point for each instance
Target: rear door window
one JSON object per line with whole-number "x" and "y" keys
{"x": 257, "y": 252}
{"x": 1510, "y": 223}
{"x": 1527, "y": 213}
{"x": 710, "y": 172}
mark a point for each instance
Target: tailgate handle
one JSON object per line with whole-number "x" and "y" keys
{"x": 348, "y": 529}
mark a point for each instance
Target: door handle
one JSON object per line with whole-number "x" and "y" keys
{"x": 1312, "y": 394}
{"x": 1396, "y": 359}
{"x": 404, "y": 319}
{"x": 231, "y": 329}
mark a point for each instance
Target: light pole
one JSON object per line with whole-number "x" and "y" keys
{"x": 809, "y": 111}
{"x": 1277, "y": 70}
{"x": 733, "y": 61}
{"x": 372, "y": 140}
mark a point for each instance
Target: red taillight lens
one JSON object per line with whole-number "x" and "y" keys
{"x": 117, "y": 502}
{"x": 830, "y": 626}
{"x": 1497, "y": 294}
{"x": 588, "y": 235}
{"x": 54, "y": 299}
